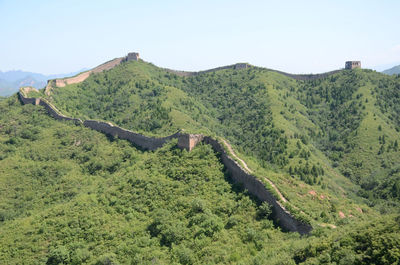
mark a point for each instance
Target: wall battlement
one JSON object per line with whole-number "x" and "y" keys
{"x": 187, "y": 141}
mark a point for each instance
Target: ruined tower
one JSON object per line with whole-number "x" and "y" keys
{"x": 352, "y": 64}
{"x": 132, "y": 56}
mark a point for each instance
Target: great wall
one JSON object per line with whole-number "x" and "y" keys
{"x": 236, "y": 167}
{"x": 239, "y": 66}
{"x": 240, "y": 175}
{"x": 133, "y": 56}
{"x": 62, "y": 82}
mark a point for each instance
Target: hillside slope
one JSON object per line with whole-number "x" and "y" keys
{"x": 70, "y": 195}
{"x": 392, "y": 71}
{"x": 312, "y": 130}
{"x": 329, "y": 145}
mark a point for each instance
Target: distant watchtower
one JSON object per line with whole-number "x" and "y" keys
{"x": 352, "y": 64}
{"x": 132, "y": 56}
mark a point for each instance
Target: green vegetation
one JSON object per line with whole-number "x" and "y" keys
{"x": 70, "y": 195}
{"x": 342, "y": 107}
{"x": 371, "y": 242}
{"x": 278, "y": 121}
{"x": 330, "y": 145}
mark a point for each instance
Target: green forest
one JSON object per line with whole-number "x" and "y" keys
{"x": 71, "y": 195}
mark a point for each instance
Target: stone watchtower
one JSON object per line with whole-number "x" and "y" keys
{"x": 352, "y": 64}
{"x": 189, "y": 141}
{"x": 132, "y": 56}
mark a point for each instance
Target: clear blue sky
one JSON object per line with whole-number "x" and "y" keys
{"x": 294, "y": 36}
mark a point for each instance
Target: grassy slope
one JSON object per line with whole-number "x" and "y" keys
{"x": 356, "y": 151}
{"x": 129, "y": 96}
{"x": 290, "y": 115}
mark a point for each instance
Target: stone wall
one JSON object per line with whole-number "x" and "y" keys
{"x": 132, "y": 56}
{"x": 258, "y": 189}
{"x": 62, "y": 82}
{"x": 53, "y": 112}
{"x": 352, "y": 64}
{"x": 26, "y": 100}
{"x": 302, "y": 76}
{"x": 141, "y": 141}
{"x": 188, "y": 142}
{"x": 236, "y": 66}
{"x": 233, "y": 66}
{"x": 239, "y": 66}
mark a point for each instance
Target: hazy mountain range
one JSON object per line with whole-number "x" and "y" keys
{"x": 11, "y": 81}
{"x": 392, "y": 71}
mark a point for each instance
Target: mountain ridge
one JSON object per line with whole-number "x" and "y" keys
{"x": 251, "y": 70}
{"x": 395, "y": 70}
{"x": 142, "y": 64}
{"x": 329, "y": 144}
{"x": 80, "y": 77}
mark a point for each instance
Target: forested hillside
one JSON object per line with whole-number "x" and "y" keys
{"x": 72, "y": 195}
{"x": 330, "y": 145}
{"x": 311, "y": 130}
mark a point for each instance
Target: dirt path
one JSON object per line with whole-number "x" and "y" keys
{"x": 250, "y": 171}
{"x": 328, "y": 225}
{"x": 235, "y": 156}
{"x": 268, "y": 180}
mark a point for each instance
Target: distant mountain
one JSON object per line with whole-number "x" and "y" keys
{"x": 11, "y": 81}
{"x": 392, "y": 71}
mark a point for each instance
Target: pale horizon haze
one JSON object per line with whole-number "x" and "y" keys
{"x": 51, "y": 37}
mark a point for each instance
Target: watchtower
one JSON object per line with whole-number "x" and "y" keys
{"x": 132, "y": 56}
{"x": 352, "y": 64}
{"x": 189, "y": 141}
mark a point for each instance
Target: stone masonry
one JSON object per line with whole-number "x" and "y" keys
{"x": 62, "y": 82}
{"x": 132, "y": 56}
{"x": 352, "y": 64}
{"x": 189, "y": 141}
